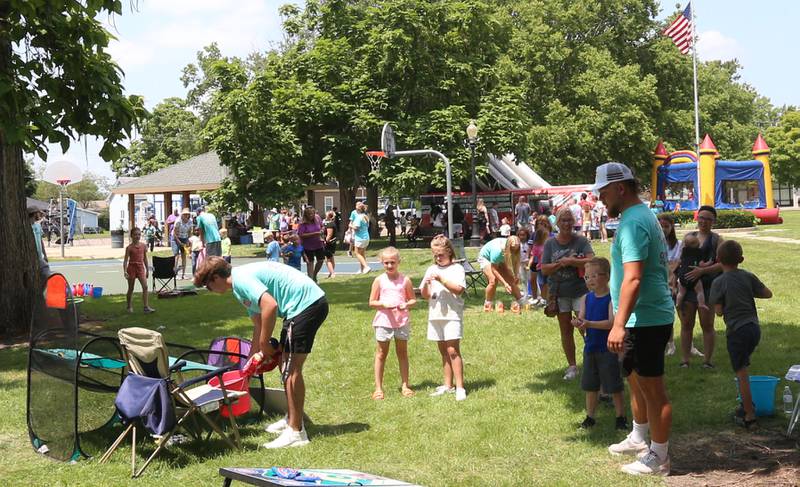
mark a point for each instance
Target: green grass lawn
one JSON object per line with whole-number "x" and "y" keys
{"x": 517, "y": 427}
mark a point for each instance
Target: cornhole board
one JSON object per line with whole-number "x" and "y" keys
{"x": 329, "y": 476}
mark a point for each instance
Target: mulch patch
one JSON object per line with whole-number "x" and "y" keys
{"x": 762, "y": 457}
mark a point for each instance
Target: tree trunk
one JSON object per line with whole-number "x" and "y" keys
{"x": 372, "y": 202}
{"x": 347, "y": 203}
{"x": 20, "y": 267}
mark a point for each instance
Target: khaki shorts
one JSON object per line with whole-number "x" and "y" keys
{"x": 361, "y": 244}
{"x": 441, "y": 331}
{"x": 383, "y": 334}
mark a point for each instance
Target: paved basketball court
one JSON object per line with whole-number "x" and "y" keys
{"x": 108, "y": 274}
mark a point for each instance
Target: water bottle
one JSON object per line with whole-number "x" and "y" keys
{"x": 788, "y": 404}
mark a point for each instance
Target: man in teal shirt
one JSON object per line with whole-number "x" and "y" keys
{"x": 268, "y": 290}
{"x": 643, "y": 317}
{"x": 209, "y": 232}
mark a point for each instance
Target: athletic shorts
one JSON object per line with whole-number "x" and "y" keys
{"x": 441, "y": 331}
{"x": 568, "y": 305}
{"x": 643, "y": 350}
{"x": 304, "y": 327}
{"x": 361, "y": 244}
{"x": 601, "y": 368}
{"x": 741, "y": 344}
{"x": 136, "y": 270}
{"x": 318, "y": 254}
{"x": 483, "y": 263}
{"x": 384, "y": 334}
{"x": 214, "y": 248}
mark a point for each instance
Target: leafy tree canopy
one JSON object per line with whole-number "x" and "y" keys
{"x": 168, "y": 135}
{"x": 784, "y": 140}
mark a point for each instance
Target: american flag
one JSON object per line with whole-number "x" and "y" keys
{"x": 680, "y": 30}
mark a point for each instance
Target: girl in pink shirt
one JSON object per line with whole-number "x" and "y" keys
{"x": 392, "y": 295}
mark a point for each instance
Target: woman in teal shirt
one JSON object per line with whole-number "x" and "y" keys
{"x": 269, "y": 290}
{"x": 499, "y": 261}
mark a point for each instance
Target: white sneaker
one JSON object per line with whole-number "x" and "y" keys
{"x": 648, "y": 464}
{"x": 571, "y": 372}
{"x": 697, "y": 353}
{"x": 628, "y": 447}
{"x": 367, "y": 270}
{"x": 289, "y": 438}
{"x": 441, "y": 390}
{"x": 461, "y": 394}
{"x": 671, "y": 349}
{"x": 278, "y": 426}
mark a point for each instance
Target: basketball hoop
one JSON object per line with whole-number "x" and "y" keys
{"x": 375, "y": 157}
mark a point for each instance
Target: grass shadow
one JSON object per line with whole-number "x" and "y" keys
{"x": 337, "y": 429}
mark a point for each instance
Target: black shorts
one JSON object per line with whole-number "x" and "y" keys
{"x": 643, "y": 350}
{"x": 601, "y": 368}
{"x": 214, "y": 248}
{"x": 304, "y": 327}
{"x": 330, "y": 249}
{"x": 741, "y": 344}
{"x": 319, "y": 254}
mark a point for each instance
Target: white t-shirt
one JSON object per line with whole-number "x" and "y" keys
{"x": 446, "y": 306}
{"x": 577, "y": 214}
{"x": 505, "y": 230}
{"x": 674, "y": 253}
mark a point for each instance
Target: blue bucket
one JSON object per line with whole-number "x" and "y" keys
{"x": 762, "y": 388}
{"x": 97, "y": 292}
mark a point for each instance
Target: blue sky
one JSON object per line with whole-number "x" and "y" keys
{"x": 157, "y": 40}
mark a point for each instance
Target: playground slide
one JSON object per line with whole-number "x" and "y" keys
{"x": 525, "y": 173}
{"x": 503, "y": 180}
{"x": 509, "y": 175}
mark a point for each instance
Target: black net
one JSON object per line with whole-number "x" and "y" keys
{"x": 52, "y": 365}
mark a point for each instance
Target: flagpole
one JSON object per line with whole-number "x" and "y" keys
{"x": 694, "y": 69}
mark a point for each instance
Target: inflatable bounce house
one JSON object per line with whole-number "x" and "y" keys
{"x": 684, "y": 181}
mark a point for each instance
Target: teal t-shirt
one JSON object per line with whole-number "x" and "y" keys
{"x": 208, "y": 223}
{"x": 293, "y": 290}
{"x": 639, "y": 238}
{"x": 362, "y": 232}
{"x": 37, "y": 237}
{"x": 493, "y": 251}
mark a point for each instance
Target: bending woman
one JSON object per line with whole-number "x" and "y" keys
{"x": 499, "y": 261}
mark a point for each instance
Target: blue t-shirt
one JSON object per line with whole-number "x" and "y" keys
{"x": 293, "y": 290}
{"x": 37, "y": 237}
{"x": 208, "y": 223}
{"x": 296, "y": 252}
{"x": 362, "y": 231}
{"x": 274, "y": 251}
{"x": 639, "y": 238}
{"x": 596, "y": 310}
{"x": 493, "y": 251}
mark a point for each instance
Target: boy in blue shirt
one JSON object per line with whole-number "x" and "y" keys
{"x": 273, "y": 248}
{"x": 292, "y": 252}
{"x": 600, "y": 367}
{"x": 733, "y": 297}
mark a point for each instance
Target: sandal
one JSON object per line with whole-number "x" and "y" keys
{"x": 407, "y": 392}
{"x": 684, "y": 365}
{"x": 377, "y": 396}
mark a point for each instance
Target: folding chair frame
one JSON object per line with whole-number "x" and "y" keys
{"x": 474, "y": 276}
{"x": 187, "y": 406}
{"x": 163, "y": 279}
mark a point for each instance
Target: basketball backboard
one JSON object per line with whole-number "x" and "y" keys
{"x": 387, "y": 140}
{"x": 62, "y": 173}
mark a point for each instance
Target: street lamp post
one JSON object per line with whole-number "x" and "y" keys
{"x": 471, "y": 142}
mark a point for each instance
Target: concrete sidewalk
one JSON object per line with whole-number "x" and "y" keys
{"x": 93, "y": 248}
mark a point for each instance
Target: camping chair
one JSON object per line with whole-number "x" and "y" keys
{"x": 164, "y": 272}
{"x": 151, "y": 395}
{"x": 474, "y": 276}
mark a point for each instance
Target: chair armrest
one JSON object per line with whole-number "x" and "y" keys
{"x": 206, "y": 377}
{"x": 177, "y": 366}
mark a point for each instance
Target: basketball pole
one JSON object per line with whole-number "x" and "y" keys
{"x": 61, "y": 217}
{"x": 431, "y": 152}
